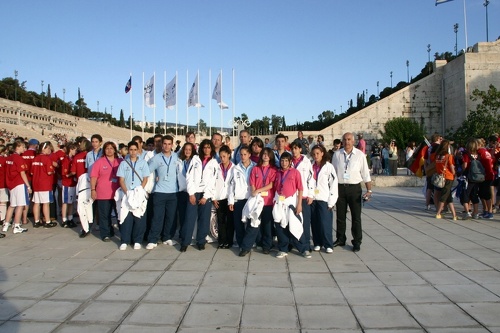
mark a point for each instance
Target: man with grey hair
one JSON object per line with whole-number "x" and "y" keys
{"x": 352, "y": 169}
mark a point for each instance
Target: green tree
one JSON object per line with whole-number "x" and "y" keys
{"x": 483, "y": 121}
{"x": 403, "y": 130}
{"x": 122, "y": 119}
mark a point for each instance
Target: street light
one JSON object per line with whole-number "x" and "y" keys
{"x": 64, "y": 99}
{"x": 485, "y": 4}
{"x": 378, "y": 91}
{"x": 391, "y": 79}
{"x": 15, "y": 89}
{"x": 42, "y": 93}
{"x": 455, "y": 29}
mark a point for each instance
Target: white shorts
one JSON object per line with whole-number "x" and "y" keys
{"x": 4, "y": 195}
{"x": 43, "y": 197}
{"x": 68, "y": 194}
{"x": 19, "y": 196}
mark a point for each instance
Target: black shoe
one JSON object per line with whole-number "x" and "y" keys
{"x": 201, "y": 247}
{"x": 221, "y": 246}
{"x": 183, "y": 248}
{"x": 338, "y": 243}
{"x": 65, "y": 224}
{"x": 50, "y": 225}
{"x": 83, "y": 234}
{"x": 266, "y": 251}
{"x": 2, "y": 235}
{"x": 243, "y": 253}
{"x": 228, "y": 246}
{"x": 356, "y": 247}
{"x": 71, "y": 224}
{"x": 37, "y": 224}
{"x": 106, "y": 239}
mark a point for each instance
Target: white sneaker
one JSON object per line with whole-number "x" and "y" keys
{"x": 123, "y": 247}
{"x": 329, "y": 250}
{"x": 170, "y": 242}
{"x": 281, "y": 255}
{"x": 151, "y": 246}
{"x": 317, "y": 248}
{"x": 137, "y": 246}
{"x": 18, "y": 230}
{"x": 307, "y": 254}
{"x": 6, "y": 227}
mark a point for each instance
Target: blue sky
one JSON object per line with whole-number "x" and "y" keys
{"x": 295, "y": 58}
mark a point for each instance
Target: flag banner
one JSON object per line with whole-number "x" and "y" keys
{"x": 169, "y": 95}
{"x": 128, "y": 86}
{"x": 438, "y": 2}
{"x": 193, "y": 94}
{"x": 218, "y": 92}
{"x": 149, "y": 93}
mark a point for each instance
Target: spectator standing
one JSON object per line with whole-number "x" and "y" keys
{"x": 393, "y": 158}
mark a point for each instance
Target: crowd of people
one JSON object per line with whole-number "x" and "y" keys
{"x": 473, "y": 167}
{"x": 158, "y": 190}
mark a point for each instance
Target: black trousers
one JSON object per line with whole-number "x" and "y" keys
{"x": 225, "y": 223}
{"x": 349, "y": 195}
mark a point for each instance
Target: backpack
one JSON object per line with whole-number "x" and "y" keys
{"x": 476, "y": 171}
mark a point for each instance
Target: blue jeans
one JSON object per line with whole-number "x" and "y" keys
{"x": 251, "y": 233}
{"x": 196, "y": 214}
{"x": 164, "y": 208}
{"x": 285, "y": 237}
{"x": 322, "y": 224}
{"x": 132, "y": 229}
{"x": 104, "y": 213}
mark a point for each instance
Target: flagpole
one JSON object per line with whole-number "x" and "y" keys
{"x": 465, "y": 27}
{"x": 210, "y": 99}
{"x": 143, "y": 100}
{"x": 154, "y": 103}
{"x": 165, "y": 104}
{"x": 234, "y": 106}
{"x": 131, "y": 113}
{"x": 198, "y": 94}
{"x": 187, "y": 102}
{"x": 220, "y": 106}
{"x": 176, "y": 110}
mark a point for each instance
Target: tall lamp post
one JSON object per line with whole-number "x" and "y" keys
{"x": 64, "y": 99}
{"x": 391, "y": 79}
{"x": 485, "y": 4}
{"x": 42, "y": 94}
{"x": 455, "y": 28}
{"x": 15, "y": 89}
{"x": 378, "y": 90}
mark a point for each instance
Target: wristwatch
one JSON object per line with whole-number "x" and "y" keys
{"x": 369, "y": 191}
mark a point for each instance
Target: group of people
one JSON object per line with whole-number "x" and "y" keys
{"x": 258, "y": 193}
{"x": 475, "y": 166}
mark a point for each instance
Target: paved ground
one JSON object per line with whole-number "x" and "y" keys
{"x": 414, "y": 274}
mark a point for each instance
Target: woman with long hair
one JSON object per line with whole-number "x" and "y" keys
{"x": 42, "y": 171}
{"x": 262, "y": 180}
{"x": 471, "y": 193}
{"x": 200, "y": 184}
{"x": 325, "y": 185}
{"x": 445, "y": 164}
{"x": 225, "y": 223}
{"x": 103, "y": 185}
{"x": 256, "y": 146}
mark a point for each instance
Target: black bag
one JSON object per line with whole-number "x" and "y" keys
{"x": 476, "y": 171}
